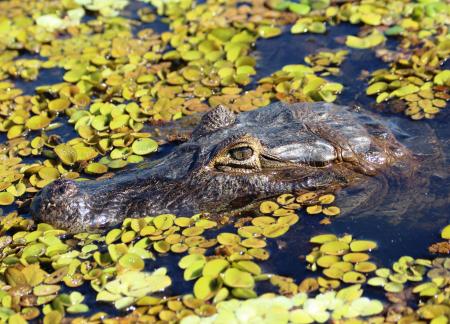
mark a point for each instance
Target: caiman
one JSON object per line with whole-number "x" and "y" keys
{"x": 233, "y": 161}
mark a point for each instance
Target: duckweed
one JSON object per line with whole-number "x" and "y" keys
{"x": 128, "y": 287}
{"x": 300, "y": 308}
{"x": 338, "y": 259}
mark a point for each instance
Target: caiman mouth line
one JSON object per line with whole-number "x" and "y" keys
{"x": 230, "y": 162}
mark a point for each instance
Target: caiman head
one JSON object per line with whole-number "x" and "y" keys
{"x": 232, "y": 161}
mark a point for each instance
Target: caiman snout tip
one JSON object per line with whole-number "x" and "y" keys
{"x": 52, "y": 197}
{"x": 61, "y": 188}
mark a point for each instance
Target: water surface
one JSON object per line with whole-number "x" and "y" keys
{"x": 409, "y": 234}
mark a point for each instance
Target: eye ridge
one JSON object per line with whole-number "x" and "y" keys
{"x": 241, "y": 153}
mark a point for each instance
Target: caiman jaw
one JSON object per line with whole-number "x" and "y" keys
{"x": 344, "y": 156}
{"x": 323, "y": 171}
{"x": 270, "y": 161}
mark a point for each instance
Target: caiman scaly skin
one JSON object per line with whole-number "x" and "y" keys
{"x": 231, "y": 161}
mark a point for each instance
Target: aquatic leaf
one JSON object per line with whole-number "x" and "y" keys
{"x": 268, "y": 31}
{"x": 214, "y": 267}
{"x": 248, "y": 266}
{"x": 427, "y": 289}
{"x": 6, "y": 198}
{"x": 50, "y": 22}
{"x": 228, "y": 238}
{"x": 405, "y": 90}
{"x": 131, "y": 285}
{"x": 433, "y": 311}
{"x": 107, "y": 296}
{"x": 59, "y": 104}
{"x": 238, "y": 279}
{"x": 376, "y": 87}
{"x": 188, "y": 260}
{"x": 372, "y": 19}
{"x": 334, "y": 247}
{"x": 96, "y": 168}
{"x": 383, "y": 272}
{"x": 253, "y": 243}
{"x": 144, "y": 146}
{"x": 34, "y": 250}
{"x": 161, "y": 246}
{"x": 77, "y": 308}
{"x": 343, "y": 266}
{"x": 393, "y": 287}
{"x": 299, "y": 70}
{"x": 365, "y": 267}
{"x": 353, "y": 277}
{"x": 268, "y": 207}
{"x": 38, "y": 122}
{"x": 445, "y": 234}
{"x": 179, "y": 247}
{"x": 74, "y": 75}
{"x": 356, "y": 257}
{"x": 132, "y": 261}
{"x": 362, "y": 245}
{"x": 45, "y": 290}
{"x": 128, "y": 236}
{"x": 193, "y": 231}
{"x": 317, "y": 27}
{"x": 333, "y": 273}
{"x": 373, "y": 39}
{"x": 314, "y": 210}
{"x": 331, "y": 211}
{"x": 85, "y": 153}
{"x": 382, "y": 97}
{"x": 205, "y": 288}
{"x": 203, "y": 223}
{"x": 442, "y": 78}
{"x": 377, "y": 282}
{"x": 15, "y": 131}
{"x": 124, "y": 302}
{"x": 285, "y": 199}
{"x": 327, "y": 261}
{"x": 326, "y": 199}
{"x": 194, "y": 270}
{"x": 53, "y": 317}
{"x": 250, "y": 231}
{"x": 394, "y": 30}
{"x": 164, "y": 221}
{"x": 66, "y": 153}
{"x": 366, "y": 307}
{"x": 320, "y": 239}
{"x": 275, "y": 230}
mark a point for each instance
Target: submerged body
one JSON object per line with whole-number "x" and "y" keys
{"x": 231, "y": 161}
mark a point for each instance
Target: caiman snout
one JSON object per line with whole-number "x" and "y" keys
{"x": 229, "y": 161}
{"x": 52, "y": 195}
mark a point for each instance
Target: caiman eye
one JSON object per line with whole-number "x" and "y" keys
{"x": 241, "y": 153}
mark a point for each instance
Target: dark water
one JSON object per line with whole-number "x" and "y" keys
{"x": 409, "y": 235}
{"x": 412, "y": 233}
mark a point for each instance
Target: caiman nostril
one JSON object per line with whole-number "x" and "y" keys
{"x": 62, "y": 188}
